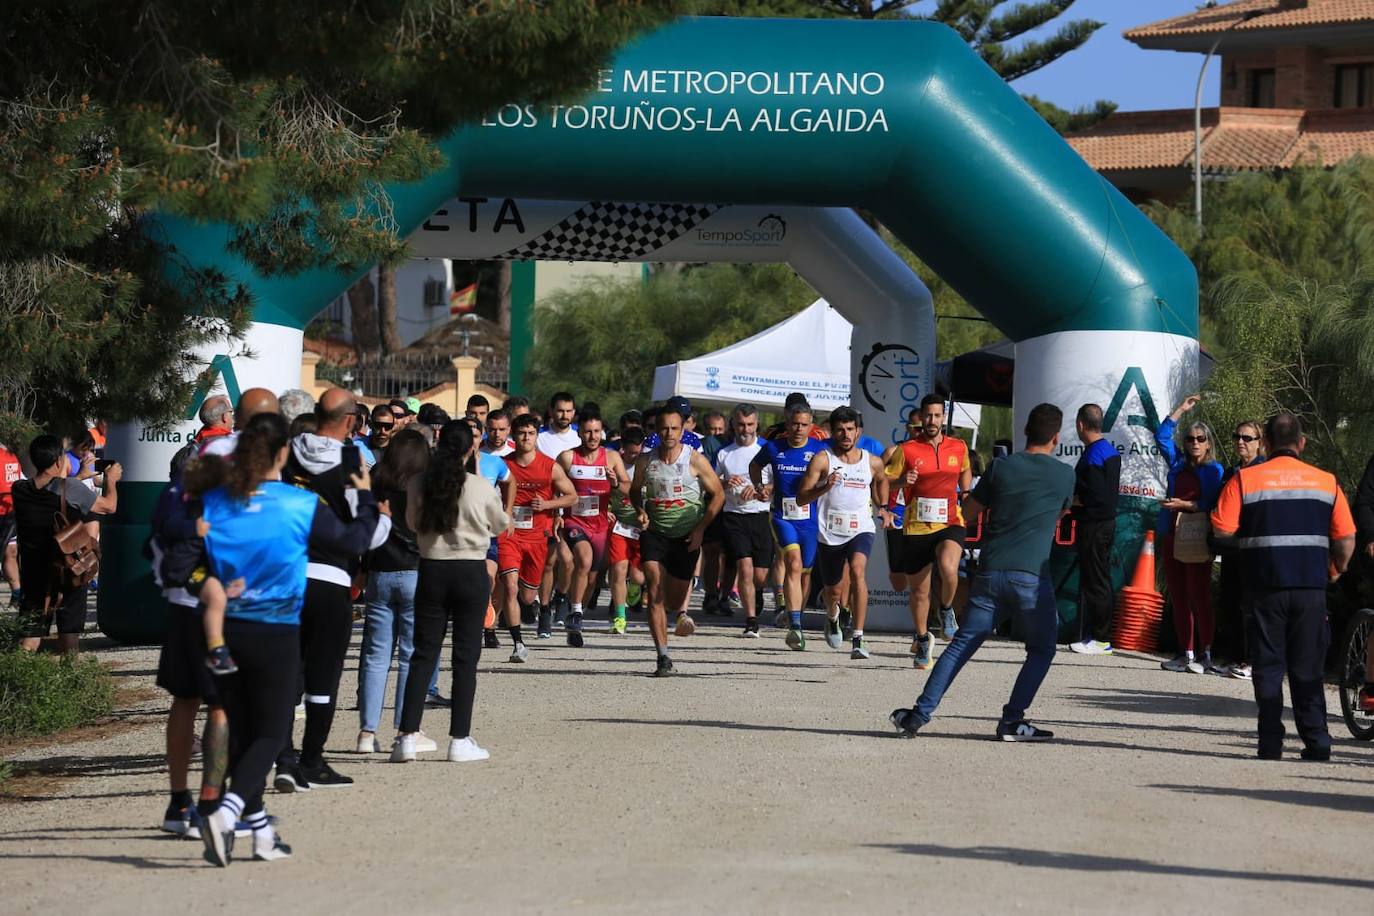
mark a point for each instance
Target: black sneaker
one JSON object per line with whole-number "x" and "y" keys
{"x": 665, "y": 667}
{"x": 710, "y": 604}
{"x": 575, "y": 630}
{"x": 846, "y": 619}
{"x": 545, "y": 630}
{"x": 561, "y": 607}
{"x": 489, "y": 640}
{"x": 751, "y": 628}
{"x": 1021, "y": 731}
{"x": 291, "y": 779}
{"x": 324, "y": 777}
{"x": 1319, "y": 754}
{"x": 905, "y": 721}
{"x": 220, "y": 662}
{"x": 437, "y": 700}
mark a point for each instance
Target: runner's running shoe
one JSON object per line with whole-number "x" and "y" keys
{"x": 948, "y": 624}
{"x": 618, "y": 626}
{"x": 217, "y": 832}
{"x": 545, "y": 629}
{"x": 834, "y": 637}
{"x": 665, "y": 667}
{"x": 490, "y": 640}
{"x": 686, "y": 626}
{"x": 519, "y": 653}
{"x": 860, "y": 648}
{"x": 796, "y": 640}
{"x": 923, "y": 646}
{"x": 751, "y": 628}
{"x": 1091, "y": 647}
{"x": 574, "y": 630}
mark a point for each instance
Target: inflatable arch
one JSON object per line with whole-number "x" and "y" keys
{"x": 899, "y": 118}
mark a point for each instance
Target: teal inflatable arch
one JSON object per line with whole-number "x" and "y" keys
{"x": 898, "y": 118}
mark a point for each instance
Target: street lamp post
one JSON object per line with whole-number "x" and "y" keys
{"x": 1197, "y": 115}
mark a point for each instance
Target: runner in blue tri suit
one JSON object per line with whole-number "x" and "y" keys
{"x": 794, "y": 525}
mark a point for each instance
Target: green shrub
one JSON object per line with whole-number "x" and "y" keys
{"x": 42, "y": 694}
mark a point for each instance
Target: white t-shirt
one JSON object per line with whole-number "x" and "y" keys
{"x": 734, "y": 460}
{"x": 554, "y": 444}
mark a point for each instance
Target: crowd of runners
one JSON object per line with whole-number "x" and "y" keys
{"x": 284, "y": 512}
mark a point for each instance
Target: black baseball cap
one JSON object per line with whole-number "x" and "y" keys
{"x": 680, "y": 404}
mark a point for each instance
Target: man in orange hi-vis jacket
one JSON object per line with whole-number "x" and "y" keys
{"x": 1294, "y": 531}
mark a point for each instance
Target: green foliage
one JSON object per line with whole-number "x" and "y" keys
{"x": 284, "y": 123}
{"x": 42, "y": 694}
{"x": 1067, "y": 122}
{"x": 1286, "y": 275}
{"x": 603, "y": 339}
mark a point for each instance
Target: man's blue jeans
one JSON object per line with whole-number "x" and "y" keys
{"x": 995, "y": 596}
{"x": 388, "y": 626}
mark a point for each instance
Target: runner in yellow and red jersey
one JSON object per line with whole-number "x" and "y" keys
{"x": 933, "y": 469}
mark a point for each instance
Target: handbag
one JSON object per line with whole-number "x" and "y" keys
{"x": 78, "y": 552}
{"x": 1191, "y": 533}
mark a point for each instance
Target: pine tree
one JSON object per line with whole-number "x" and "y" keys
{"x": 278, "y": 120}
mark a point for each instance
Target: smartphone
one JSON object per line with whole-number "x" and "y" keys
{"x": 102, "y": 463}
{"x": 351, "y": 460}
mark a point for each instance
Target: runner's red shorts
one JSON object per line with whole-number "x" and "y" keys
{"x": 524, "y": 554}
{"x": 622, "y": 548}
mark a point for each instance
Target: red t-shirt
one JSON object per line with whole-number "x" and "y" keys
{"x": 531, "y": 481}
{"x": 10, "y": 471}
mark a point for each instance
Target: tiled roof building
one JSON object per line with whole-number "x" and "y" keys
{"x": 1297, "y": 87}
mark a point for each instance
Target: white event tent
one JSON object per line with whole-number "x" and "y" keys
{"x": 808, "y": 352}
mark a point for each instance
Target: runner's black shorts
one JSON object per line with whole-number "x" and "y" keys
{"x": 832, "y": 560}
{"x": 181, "y": 669}
{"x": 917, "y": 551}
{"x": 671, "y": 553}
{"x": 715, "y": 532}
{"x": 8, "y": 530}
{"x": 749, "y": 534}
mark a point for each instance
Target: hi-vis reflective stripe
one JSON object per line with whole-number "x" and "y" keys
{"x": 1286, "y": 540}
{"x": 1260, "y": 496}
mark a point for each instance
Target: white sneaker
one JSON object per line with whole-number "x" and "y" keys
{"x": 424, "y": 744}
{"x": 267, "y": 846}
{"x": 1177, "y": 663}
{"x": 519, "y": 653}
{"x": 1239, "y": 671}
{"x": 367, "y": 743}
{"x": 1195, "y": 666}
{"x": 464, "y": 750}
{"x": 403, "y": 749}
{"x": 1091, "y": 647}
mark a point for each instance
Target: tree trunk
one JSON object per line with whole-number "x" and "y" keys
{"x": 386, "y": 308}
{"x": 362, "y": 302}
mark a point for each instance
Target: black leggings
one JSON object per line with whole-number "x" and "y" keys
{"x": 259, "y": 700}
{"x": 447, "y": 588}
{"x": 326, "y": 628}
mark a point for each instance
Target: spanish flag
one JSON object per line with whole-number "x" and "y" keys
{"x": 462, "y": 301}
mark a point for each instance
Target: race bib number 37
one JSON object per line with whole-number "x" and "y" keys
{"x": 935, "y": 511}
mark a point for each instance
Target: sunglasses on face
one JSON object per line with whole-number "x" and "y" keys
{"x": 1198, "y": 439}
{"x": 384, "y": 427}
{"x": 1241, "y": 437}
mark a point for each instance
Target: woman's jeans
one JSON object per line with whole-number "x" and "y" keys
{"x": 389, "y": 626}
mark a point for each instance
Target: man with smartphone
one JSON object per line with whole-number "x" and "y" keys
{"x": 323, "y": 463}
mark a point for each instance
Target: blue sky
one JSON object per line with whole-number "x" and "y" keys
{"x": 1110, "y": 67}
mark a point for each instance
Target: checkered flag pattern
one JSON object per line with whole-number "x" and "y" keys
{"x": 602, "y": 231}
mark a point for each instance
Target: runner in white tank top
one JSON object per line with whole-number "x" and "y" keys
{"x": 846, "y": 483}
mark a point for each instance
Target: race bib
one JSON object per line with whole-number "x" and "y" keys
{"x": 842, "y": 524}
{"x": 587, "y": 506}
{"x": 625, "y": 531}
{"x": 794, "y": 512}
{"x": 932, "y": 510}
{"x": 524, "y": 517}
{"x": 670, "y": 489}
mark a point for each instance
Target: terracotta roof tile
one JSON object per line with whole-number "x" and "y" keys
{"x": 1275, "y": 15}
{"x": 1233, "y": 139}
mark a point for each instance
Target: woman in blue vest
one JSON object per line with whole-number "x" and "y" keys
{"x": 1194, "y": 483}
{"x": 257, "y": 529}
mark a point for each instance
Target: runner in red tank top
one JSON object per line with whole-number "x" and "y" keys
{"x": 10, "y": 472}
{"x": 594, "y": 472}
{"x": 541, "y": 489}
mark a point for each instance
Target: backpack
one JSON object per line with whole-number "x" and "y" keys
{"x": 183, "y": 455}
{"x": 78, "y": 552}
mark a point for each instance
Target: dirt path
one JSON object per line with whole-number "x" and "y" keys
{"x": 760, "y": 780}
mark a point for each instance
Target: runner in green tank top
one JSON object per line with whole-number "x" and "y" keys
{"x": 678, "y": 494}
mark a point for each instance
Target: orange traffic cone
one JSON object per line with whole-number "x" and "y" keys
{"x": 1139, "y": 606}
